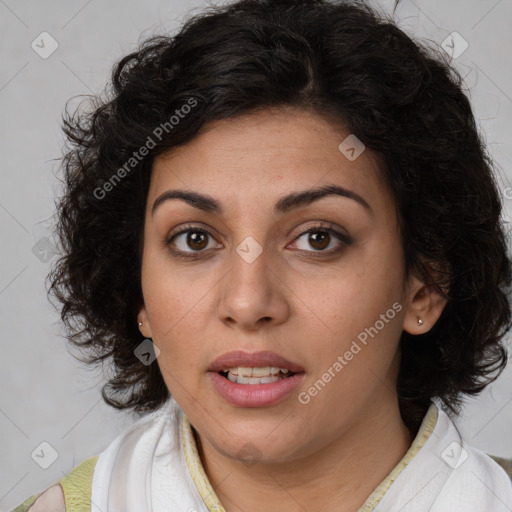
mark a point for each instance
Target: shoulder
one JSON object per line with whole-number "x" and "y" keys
{"x": 71, "y": 494}
{"x": 51, "y": 500}
{"x": 74, "y": 491}
{"x": 506, "y": 464}
{"x": 474, "y": 480}
{"x": 486, "y": 473}
{"x": 480, "y": 482}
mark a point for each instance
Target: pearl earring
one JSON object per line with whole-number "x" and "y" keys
{"x": 140, "y": 323}
{"x": 420, "y": 321}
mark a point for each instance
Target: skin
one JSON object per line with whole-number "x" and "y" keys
{"x": 314, "y": 456}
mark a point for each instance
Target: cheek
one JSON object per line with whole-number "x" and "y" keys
{"x": 169, "y": 291}
{"x": 356, "y": 292}
{"x": 359, "y": 302}
{"x": 178, "y": 303}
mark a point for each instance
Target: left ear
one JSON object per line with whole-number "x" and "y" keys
{"x": 423, "y": 303}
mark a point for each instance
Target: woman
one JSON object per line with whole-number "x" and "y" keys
{"x": 284, "y": 228}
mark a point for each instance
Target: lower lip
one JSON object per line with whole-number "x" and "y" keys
{"x": 255, "y": 395}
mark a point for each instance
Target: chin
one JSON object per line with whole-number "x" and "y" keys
{"x": 256, "y": 446}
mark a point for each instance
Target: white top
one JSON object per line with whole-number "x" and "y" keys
{"x": 154, "y": 466}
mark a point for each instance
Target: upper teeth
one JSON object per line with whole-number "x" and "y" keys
{"x": 245, "y": 371}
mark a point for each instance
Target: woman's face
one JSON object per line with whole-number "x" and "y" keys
{"x": 317, "y": 281}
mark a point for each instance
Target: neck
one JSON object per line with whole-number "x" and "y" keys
{"x": 339, "y": 477}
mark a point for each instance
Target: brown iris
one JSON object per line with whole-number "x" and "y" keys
{"x": 317, "y": 239}
{"x": 197, "y": 240}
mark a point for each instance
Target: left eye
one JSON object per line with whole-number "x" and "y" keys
{"x": 320, "y": 239}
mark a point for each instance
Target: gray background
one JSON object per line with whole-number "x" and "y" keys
{"x": 48, "y": 396}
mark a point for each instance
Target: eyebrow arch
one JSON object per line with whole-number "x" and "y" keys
{"x": 284, "y": 205}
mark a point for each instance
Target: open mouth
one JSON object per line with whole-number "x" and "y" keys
{"x": 256, "y": 375}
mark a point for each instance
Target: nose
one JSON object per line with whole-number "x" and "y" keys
{"x": 252, "y": 293}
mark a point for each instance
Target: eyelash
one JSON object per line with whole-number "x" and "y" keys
{"x": 323, "y": 228}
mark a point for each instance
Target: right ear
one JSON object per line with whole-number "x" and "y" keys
{"x": 145, "y": 328}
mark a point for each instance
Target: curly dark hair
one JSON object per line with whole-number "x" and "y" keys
{"x": 347, "y": 63}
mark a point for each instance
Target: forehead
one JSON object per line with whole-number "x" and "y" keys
{"x": 257, "y": 157}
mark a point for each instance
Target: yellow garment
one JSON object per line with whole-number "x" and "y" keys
{"x": 196, "y": 468}
{"x": 76, "y": 485}
{"x": 27, "y": 503}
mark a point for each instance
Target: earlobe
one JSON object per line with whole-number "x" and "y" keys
{"x": 142, "y": 319}
{"x": 425, "y": 306}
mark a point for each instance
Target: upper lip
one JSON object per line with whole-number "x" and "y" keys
{"x": 249, "y": 359}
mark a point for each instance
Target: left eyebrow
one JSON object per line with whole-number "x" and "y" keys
{"x": 284, "y": 205}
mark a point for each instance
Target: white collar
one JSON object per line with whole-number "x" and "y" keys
{"x": 154, "y": 465}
